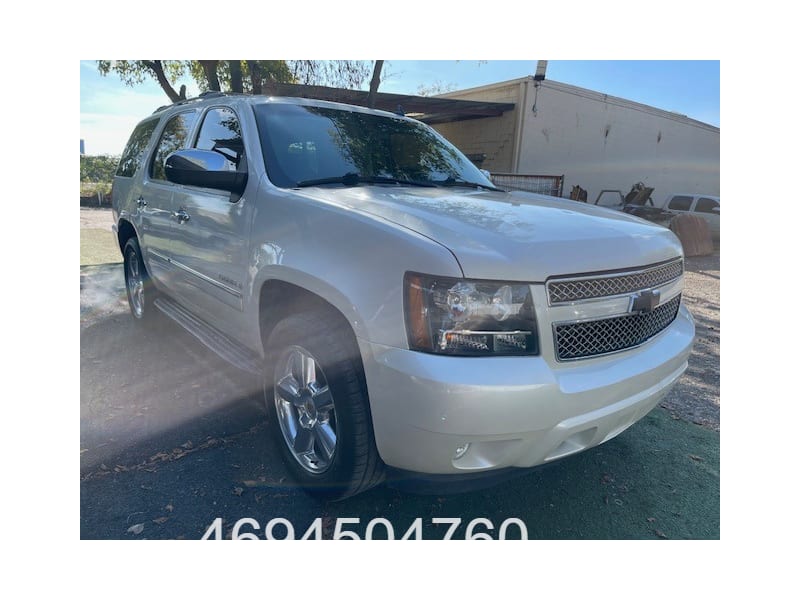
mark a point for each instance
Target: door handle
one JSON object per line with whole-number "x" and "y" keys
{"x": 141, "y": 202}
{"x": 181, "y": 215}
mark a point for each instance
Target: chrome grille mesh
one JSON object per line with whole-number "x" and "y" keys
{"x": 612, "y": 285}
{"x": 592, "y": 338}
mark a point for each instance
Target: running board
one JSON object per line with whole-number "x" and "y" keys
{"x": 216, "y": 341}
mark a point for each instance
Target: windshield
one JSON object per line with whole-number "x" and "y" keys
{"x": 311, "y": 145}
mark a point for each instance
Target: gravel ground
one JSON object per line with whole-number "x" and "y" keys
{"x": 695, "y": 398}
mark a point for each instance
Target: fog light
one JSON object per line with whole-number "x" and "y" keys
{"x": 461, "y": 451}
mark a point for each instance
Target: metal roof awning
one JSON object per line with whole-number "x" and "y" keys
{"x": 430, "y": 110}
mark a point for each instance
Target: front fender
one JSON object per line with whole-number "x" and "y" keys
{"x": 353, "y": 260}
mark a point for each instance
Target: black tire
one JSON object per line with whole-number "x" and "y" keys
{"x": 355, "y": 465}
{"x": 142, "y": 307}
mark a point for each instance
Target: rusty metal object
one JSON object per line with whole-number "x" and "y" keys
{"x": 694, "y": 234}
{"x": 578, "y": 193}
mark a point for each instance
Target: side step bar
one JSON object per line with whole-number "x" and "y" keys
{"x": 227, "y": 349}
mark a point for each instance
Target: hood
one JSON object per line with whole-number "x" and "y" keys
{"x": 515, "y": 236}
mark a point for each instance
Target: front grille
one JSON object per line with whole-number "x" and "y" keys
{"x": 592, "y": 338}
{"x": 573, "y": 289}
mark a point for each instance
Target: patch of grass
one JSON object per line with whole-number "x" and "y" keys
{"x": 98, "y": 247}
{"x": 89, "y": 188}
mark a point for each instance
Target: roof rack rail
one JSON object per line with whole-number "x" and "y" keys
{"x": 202, "y": 96}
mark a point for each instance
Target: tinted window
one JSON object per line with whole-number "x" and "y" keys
{"x": 680, "y": 203}
{"x": 705, "y": 205}
{"x": 307, "y": 143}
{"x": 221, "y": 132}
{"x": 173, "y": 138}
{"x": 133, "y": 154}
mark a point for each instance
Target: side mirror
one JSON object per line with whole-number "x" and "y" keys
{"x": 715, "y": 209}
{"x": 204, "y": 168}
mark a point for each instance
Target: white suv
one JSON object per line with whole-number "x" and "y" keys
{"x": 702, "y": 205}
{"x": 406, "y": 315}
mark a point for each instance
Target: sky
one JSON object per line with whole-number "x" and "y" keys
{"x": 110, "y": 109}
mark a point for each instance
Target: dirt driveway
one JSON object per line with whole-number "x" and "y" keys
{"x": 696, "y": 396}
{"x": 173, "y": 438}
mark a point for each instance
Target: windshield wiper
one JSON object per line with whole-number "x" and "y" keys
{"x": 355, "y": 179}
{"x": 381, "y": 179}
{"x": 450, "y": 182}
{"x": 346, "y": 179}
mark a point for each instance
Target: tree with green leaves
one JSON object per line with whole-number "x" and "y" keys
{"x": 134, "y": 72}
{"x": 243, "y": 76}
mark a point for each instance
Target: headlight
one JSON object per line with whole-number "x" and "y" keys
{"x": 469, "y": 318}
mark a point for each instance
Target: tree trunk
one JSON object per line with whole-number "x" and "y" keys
{"x": 373, "y": 85}
{"x": 236, "y": 76}
{"x": 210, "y": 69}
{"x": 158, "y": 70}
{"x": 255, "y": 76}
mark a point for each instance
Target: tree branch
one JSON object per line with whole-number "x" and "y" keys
{"x": 236, "y": 76}
{"x": 158, "y": 70}
{"x": 373, "y": 85}
{"x": 210, "y": 69}
{"x": 255, "y": 76}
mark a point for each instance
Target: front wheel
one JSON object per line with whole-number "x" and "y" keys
{"x": 138, "y": 284}
{"x": 318, "y": 406}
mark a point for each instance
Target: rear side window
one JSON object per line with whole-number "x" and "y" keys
{"x": 133, "y": 154}
{"x": 221, "y": 132}
{"x": 680, "y": 203}
{"x": 706, "y": 205}
{"x": 173, "y": 138}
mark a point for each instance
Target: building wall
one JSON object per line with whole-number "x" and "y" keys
{"x": 601, "y": 142}
{"x": 596, "y": 141}
{"x": 493, "y": 136}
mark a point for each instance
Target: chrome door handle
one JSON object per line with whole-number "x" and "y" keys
{"x": 181, "y": 215}
{"x": 141, "y": 202}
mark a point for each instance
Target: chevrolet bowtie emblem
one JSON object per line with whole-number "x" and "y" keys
{"x": 645, "y": 302}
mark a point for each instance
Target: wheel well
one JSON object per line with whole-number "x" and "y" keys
{"x": 280, "y": 299}
{"x": 125, "y": 231}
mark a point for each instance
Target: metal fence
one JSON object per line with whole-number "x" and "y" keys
{"x": 550, "y": 185}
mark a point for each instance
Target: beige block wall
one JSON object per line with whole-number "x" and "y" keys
{"x": 492, "y": 136}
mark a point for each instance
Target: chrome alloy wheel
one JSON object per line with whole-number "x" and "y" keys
{"x": 135, "y": 284}
{"x": 304, "y": 405}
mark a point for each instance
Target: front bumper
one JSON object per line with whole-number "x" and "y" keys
{"x": 513, "y": 411}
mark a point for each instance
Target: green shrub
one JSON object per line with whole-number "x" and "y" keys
{"x": 98, "y": 169}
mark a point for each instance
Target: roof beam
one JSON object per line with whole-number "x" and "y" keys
{"x": 430, "y": 109}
